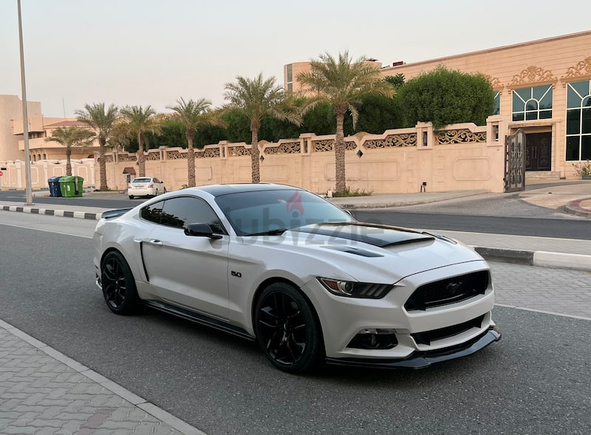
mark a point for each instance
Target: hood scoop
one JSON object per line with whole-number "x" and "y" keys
{"x": 375, "y": 235}
{"x": 354, "y": 251}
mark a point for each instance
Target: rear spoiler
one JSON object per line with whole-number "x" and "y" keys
{"x": 109, "y": 214}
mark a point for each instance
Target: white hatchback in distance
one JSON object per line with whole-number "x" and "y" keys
{"x": 145, "y": 186}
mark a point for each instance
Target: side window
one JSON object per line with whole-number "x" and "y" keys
{"x": 153, "y": 212}
{"x": 179, "y": 212}
{"x": 156, "y": 180}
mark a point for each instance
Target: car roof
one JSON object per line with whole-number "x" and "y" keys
{"x": 225, "y": 189}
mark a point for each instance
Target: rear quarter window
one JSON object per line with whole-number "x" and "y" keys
{"x": 152, "y": 212}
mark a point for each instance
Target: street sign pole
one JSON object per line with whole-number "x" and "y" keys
{"x": 29, "y": 191}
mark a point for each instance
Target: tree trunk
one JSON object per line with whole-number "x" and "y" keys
{"x": 254, "y": 152}
{"x": 68, "y": 161}
{"x": 190, "y": 161}
{"x": 141, "y": 158}
{"x": 339, "y": 153}
{"x": 102, "y": 166}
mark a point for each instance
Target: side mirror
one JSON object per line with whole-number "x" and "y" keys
{"x": 201, "y": 230}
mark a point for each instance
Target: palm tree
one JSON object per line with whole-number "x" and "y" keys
{"x": 139, "y": 121}
{"x": 102, "y": 120}
{"x": 258, "y": 99}
{"x": 342, "y": 83}
{"x": 71, "y": 137}
{"x": 192, "y": 115}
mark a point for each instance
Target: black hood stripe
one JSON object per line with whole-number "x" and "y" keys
{"x": 375, "y": 235}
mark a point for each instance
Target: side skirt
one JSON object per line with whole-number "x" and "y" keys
{"x": 198, "y": 318}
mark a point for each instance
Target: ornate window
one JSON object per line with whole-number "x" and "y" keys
{"x": 532, "y": 103}
{"x": 497, "y": 110}
{"x": 578, "y": 121}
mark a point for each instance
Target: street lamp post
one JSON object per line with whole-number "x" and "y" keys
{"x": 29, "y": 191}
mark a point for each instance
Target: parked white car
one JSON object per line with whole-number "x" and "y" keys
{"x": 145, "y": 186}
{"x": 282, "y": 266}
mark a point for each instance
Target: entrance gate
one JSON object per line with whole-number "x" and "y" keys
{"x": 515, "y": 162}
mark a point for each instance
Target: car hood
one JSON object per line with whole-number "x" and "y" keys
{"x": 368, "y": 252}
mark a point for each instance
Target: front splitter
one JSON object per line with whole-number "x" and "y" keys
{"x": 421, "y": 360}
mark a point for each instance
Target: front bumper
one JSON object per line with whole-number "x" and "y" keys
{"x": 423, "y": 359}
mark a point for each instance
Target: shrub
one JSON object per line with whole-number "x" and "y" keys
{"x": 583, "y": 169}
{"x": 446, "y": 97}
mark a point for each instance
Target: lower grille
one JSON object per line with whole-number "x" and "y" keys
{"x": 449, "y": 331}
{"x": 448, "y": 291}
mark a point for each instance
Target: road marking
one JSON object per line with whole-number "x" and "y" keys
{"x": 46, "y": 231}
{"x": 544, "y": 312}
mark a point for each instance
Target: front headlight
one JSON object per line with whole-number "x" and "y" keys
{"x": 354, "y": 289}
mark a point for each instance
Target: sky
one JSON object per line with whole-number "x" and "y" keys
{"x": 152, "y": 52}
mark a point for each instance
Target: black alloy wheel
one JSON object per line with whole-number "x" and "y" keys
{"x": 118, "y": 284}
{"x": 287, "y": 329}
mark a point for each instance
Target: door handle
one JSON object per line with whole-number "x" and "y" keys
{"x": 156, "y": 242}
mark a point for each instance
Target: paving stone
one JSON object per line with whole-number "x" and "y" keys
{"x": 46, "y": 431}
{"x": 553, "y": 290}
{"x": 19, "y": 430}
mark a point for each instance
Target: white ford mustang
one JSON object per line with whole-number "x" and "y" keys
{"x": 282, "y": 266}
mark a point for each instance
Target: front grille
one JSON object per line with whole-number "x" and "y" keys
{"x": 448, "y": 291}
{"x": 449, "y": 331}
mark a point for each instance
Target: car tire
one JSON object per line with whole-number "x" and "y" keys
{"x": 118, "y": 284}
{"x": 288, "y": 330}
{"x": 130, "y": 196}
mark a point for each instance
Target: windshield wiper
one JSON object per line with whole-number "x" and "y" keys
{"x": 275, "y": 232}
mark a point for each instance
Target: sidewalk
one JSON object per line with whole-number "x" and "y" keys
{"x": 42, "y": 391}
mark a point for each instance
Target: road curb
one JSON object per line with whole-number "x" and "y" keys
{"x": 537, "y": 258}
{"x": 339, "y": 201}
{"x": 506, "y": 255}
{"x": 48, "y": 212}
{"x": 529, "y": 258}
{"x": 574, "y": 207}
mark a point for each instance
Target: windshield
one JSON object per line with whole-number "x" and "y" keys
{"x": 141, "y": 180}
{"x": 270, "y": 211}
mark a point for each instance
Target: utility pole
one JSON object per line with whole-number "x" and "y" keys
{"x": 29, "y": 191}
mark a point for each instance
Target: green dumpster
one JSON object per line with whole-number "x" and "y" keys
{"x": 71, "y": 186}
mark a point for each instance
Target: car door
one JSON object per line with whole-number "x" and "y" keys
{"x": 187, "y": 271}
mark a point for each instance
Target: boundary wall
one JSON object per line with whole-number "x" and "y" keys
{"x": 457, "y": 157}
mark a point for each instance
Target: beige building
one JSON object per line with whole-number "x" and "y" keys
{"x": 40, "y": 149}
{"x": 12, "y": 143}
{"x": 11, "y": 110}
{"x": 48, "y": 159}
{"x": 542, "y": 87}
{"x": 292, "y": 70}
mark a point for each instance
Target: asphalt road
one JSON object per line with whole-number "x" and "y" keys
{"x": 535, "y": 381}
{"x": 488, "y": 214}
{"x": 564, "y": 229}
